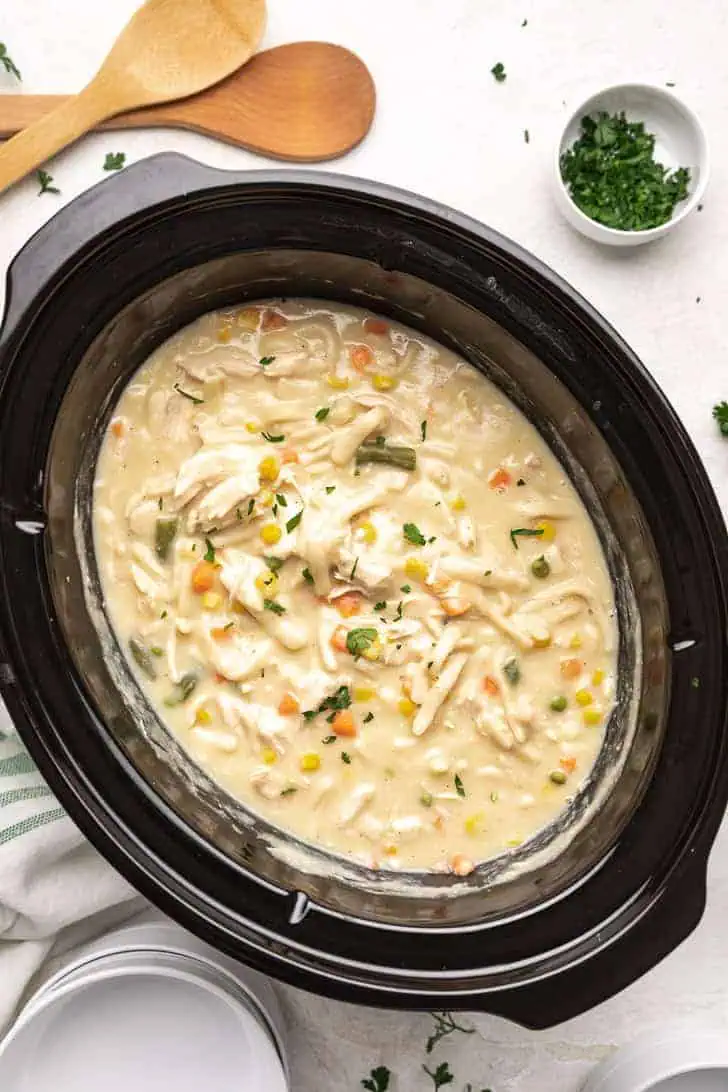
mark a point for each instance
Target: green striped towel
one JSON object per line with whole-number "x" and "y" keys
{"x": 55, "y": 889}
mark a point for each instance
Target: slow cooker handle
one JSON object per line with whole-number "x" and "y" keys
{"x": 671, "y": 919}
{"x": 81, "y": 225}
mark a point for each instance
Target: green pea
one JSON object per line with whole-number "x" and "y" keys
{"x": 540, "y": 567}
{"x": 558, "y": 704}
{"x": 426, "y": 800}
{"x": 558, "y": 777}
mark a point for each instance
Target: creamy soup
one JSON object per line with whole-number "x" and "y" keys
{"x": 355, "y": 584}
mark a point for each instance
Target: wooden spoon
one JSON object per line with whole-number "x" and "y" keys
{"x": 169, "y": 49}
{"x": 307, "y": 101}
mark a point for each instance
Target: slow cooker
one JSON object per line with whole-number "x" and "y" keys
{"x": 547, "y": 929}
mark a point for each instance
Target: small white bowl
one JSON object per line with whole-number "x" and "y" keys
{"x": 672, "y": 1060}
{"x": 680, "y": 142}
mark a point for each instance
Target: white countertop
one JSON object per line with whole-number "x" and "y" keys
{"x": 445, "y": 128}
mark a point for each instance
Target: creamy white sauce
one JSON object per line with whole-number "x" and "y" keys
{"x": 408, "y": 664}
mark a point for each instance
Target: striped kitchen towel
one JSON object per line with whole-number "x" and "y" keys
{"x": 55, "y": 889}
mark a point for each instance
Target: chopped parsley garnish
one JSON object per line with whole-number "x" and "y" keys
{"x": 369, "y": 717}
{"x": 7, "y": 62}
{"x": 228, "y": 626}
{"x": 266, "y": 360}
{"x": 413, "y": 534}
{"x": 352, "y": 574}
{"x": 346, "y": 758}
{"x": 398, "y": 615}
{"x": 611, "y": 174}
{"x": 423, "y": 430}
{"x": 381, "y": 605}
{"x": 459, "y": 787}
{"x": 329, "y": 739}
{"x": 114, "y": 161}
{"x": 306, "y": 574}
{"x": 524, "y": 23}
{"x": 273, "y": 439}
{"x": 526, "y": 136}
{"x": 330, "y": 489}
{"x": 340, "y": 699}
{"x": 322, "y": 414}
{"x": 289, "y": 790}
{"x": 275, "y": 564}
{"x": 521, "y": 482}
{"x": 44, "y": 181}
{"x": 188, "y": 396}
{"x": 251, "y": 506}
{"x": 294, "y": 521}
{"x": 524, "y": 532}
{"x": 406, "y": 589}
{"x": 164, "y": 614}
{"x": 270, "y": 604}
{"x": 378, "y": 1080}
{"x": 380, "y": 441}
{"x": 498, "y": 72}
{"x": 210, "y": 551}
{"x": 512, "y": 671}
{"x": 720, "y": 413}
{"x": 281, "y": 500}
{"x": 360, "y": 640}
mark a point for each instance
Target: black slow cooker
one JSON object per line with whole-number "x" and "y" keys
{"x": 538, "y": 934}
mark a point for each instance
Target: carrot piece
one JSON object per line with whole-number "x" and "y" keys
{"x": 288, "y": 705}
{"x": 440, "y": 586}
{"x": 118, "y": 428}
{"x": 499, "y": 479}
{"x": 491, "y": 686}
{"x": 361, "y": 357}
{"x": 461, "y": 865}
{"x": 289, "y": 456}
{"x": 203, "y": 576}
{"x": 571, "y": 669}
{"x": 568, "y": 764}
{"x": 375, "y": 326}
{"x": 338, "y": 638}
{"x": 221, "y": 633}
{"x": 343, "y": 723}
{"x": 219, "y": 678}
{"x": 349, "y": 603}
{"x": 273, "y": 320}
{"x": 455, "y": 606}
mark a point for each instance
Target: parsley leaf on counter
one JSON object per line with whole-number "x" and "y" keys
{"x": 378, "y": 1080}
{"x": 444, "y": 1025}
{"x": 8, "y": 63}
{"x": 720, "y": 412}
{"x": 114, "y": 161}
{"x": 440, "y": 1076}
{"x": 499, "y": 72}
{"x": 44, "y": 181}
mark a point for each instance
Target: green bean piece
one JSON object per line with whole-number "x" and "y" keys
{"x": 182, "y": 690}
{"x": 164, "y": 534}
{"x": 142, "y": 657}
{"x": 540, "y": 567}
{"x": 512, "y": 671}
{"x": 558, "y": 704}
{"x": 404, "y": 458}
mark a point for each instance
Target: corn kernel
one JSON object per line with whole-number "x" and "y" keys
{"x": 247, "y": 319}
{"x": 591, "y": 717}
{"x": 575, "y": 641}
{"x": 337, "y": 382}
{"x": 584, "y": 697}
{"x": 203, "y": 716}
{"x": 382, "y": 382}
{"x": 269, "y": 756}
{"x": 267, "y": 583}
{"x": 368, "y": 532}
{"x": 415, "y": 568}
{"x": 363, "y": 693}
{"x": 473, "y": 823}
{"x": 458, "y": 504}
{"x": 391, "y": 851}
{"x": 310, "y": 762}
{"x": 252, "y": 426}
{"x": 374, "y": 651}
{"x": 549, "y": 531}
{"x": 269, "y": 468}
{"x": 211, "y": 600}
{"x": 270, "y": 533}
{"x": 224, "y": 334}
{"x": 597, "y": 677}
{"x": 406, "y": 707}
{"x": 542, "y": 642}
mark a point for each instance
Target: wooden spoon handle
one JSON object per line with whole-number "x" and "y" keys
{"x": 18, "y": 112}
{"x": 49, "y": 133}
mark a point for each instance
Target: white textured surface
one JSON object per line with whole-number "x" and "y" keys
{"x": 446, "y": 129}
